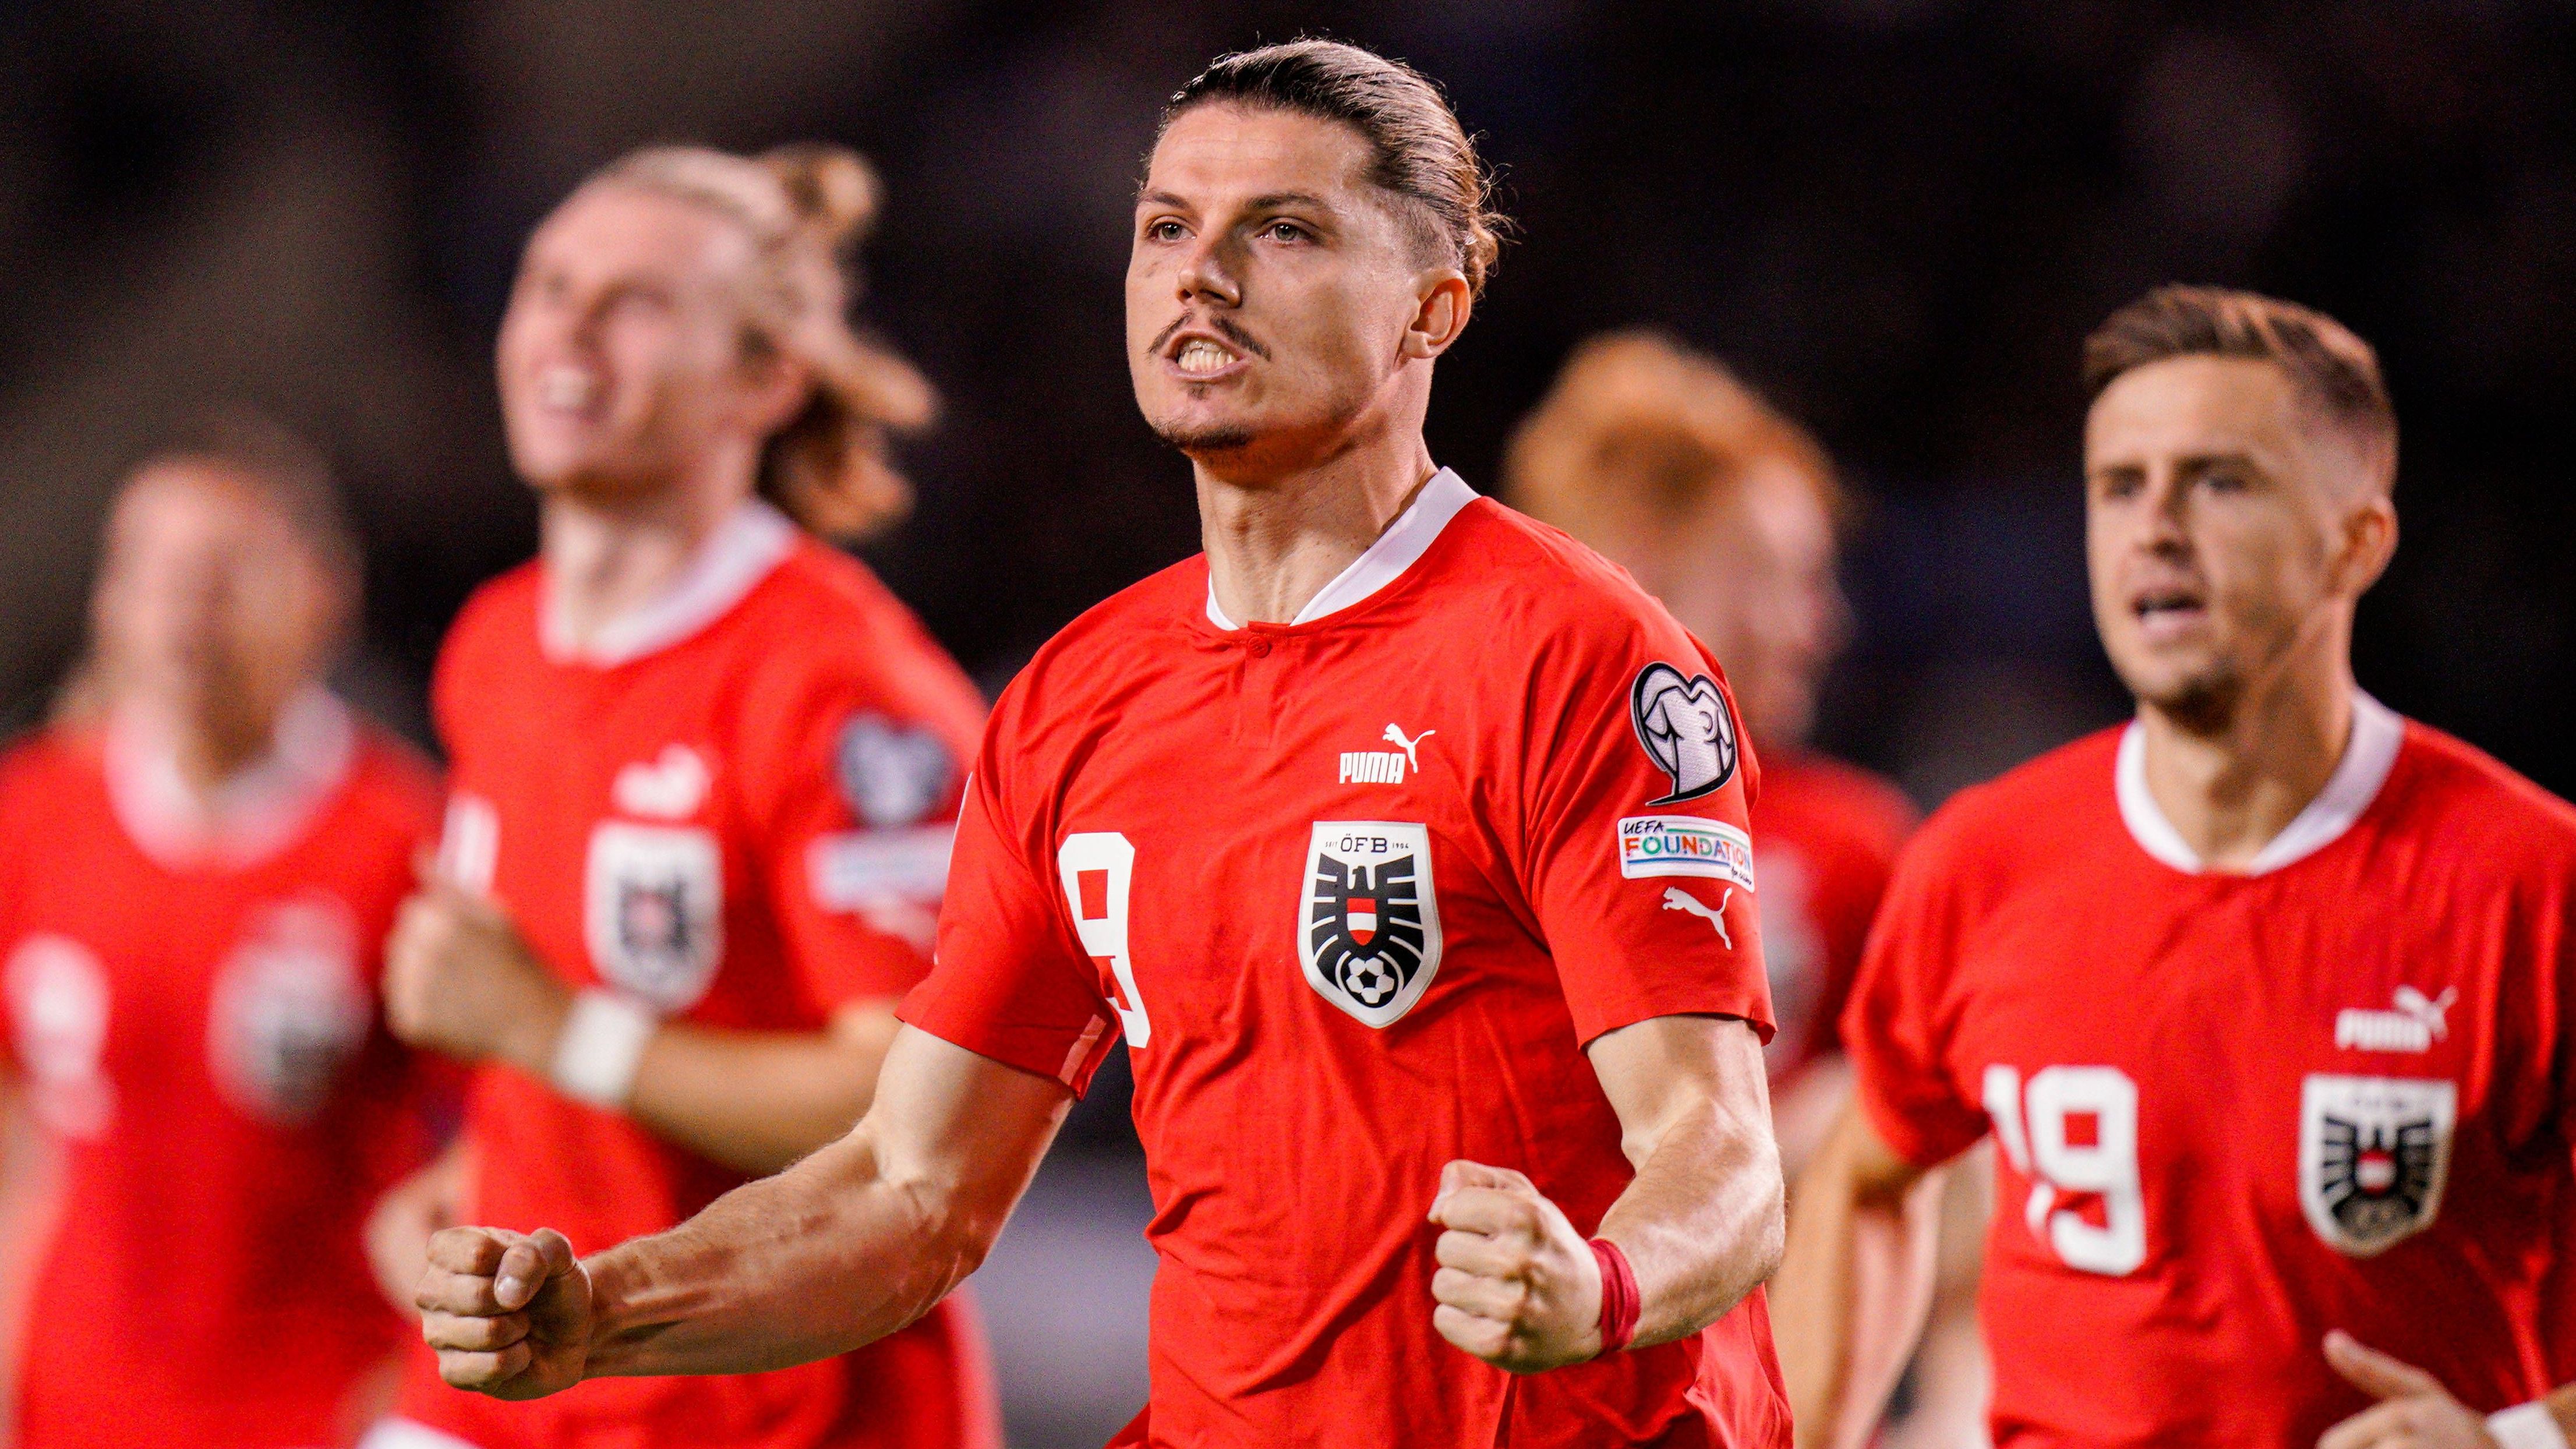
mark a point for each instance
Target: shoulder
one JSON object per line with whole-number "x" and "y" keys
{"x": 1526, "y": 610}
{"x": 1134, "y": 625}
{"x": 824, "y": 628}
{"x": 2032, "y": 811}
{"x": 503, "y": 608}
{"x": 2460, "y": 792}
{"x": 393, "y": 785}
{"x": 1539, "y": 584}
{"x": 41, "y": 763}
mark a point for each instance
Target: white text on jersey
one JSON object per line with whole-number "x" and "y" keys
{"x": 2417, "y": 1023}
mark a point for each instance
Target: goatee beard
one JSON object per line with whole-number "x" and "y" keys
{"x": 1206, "y": 440}
{"x": 2203, "y": 705}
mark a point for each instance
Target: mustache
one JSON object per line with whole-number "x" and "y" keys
{"x": 1224, "y": 327}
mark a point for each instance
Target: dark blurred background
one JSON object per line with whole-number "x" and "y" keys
{"x": 1899, "y": 217}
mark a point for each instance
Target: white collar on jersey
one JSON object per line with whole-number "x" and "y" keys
{"x": 732, "y": 561}
{"x": 2377, "y": 732}
{"x": 1387, "y": 559}
{"x": 260, "y": 811}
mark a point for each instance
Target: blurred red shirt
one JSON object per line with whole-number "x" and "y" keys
{"x": 736, "y": 809}
{"x": 193, "y": 1016}
{"x": 1825, "y": 837}
{"x": 1357, "y": 891}
{"x": 2233, "y": 1111}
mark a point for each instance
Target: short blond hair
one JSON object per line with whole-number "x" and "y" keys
{"x": 1638, "y": 425}
{"x": 806, "y": 207}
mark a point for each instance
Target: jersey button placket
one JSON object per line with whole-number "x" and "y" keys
{"x": 1257, "y": 697}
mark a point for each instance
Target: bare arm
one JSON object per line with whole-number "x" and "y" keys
{"x": 847, "y": 1246}
{"x": 759, "y": 1100}
{"x": 1700, "y": 1224}
{"x": 1855, "y": 1282}
{"x": 460, "y": 979}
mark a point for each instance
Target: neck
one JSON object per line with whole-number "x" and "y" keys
{"x": 210, "y": 747}
{"x": 606, "y": 556}
{"x": 1275, "y": 539}
{"x": 2228, "y": 789}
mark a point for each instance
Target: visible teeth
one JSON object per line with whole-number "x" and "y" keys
{"x": 567, "y": 387}
{"x": 1203, "y": 357}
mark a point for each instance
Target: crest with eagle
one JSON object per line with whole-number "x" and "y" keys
{"x": 1369, "y": 929}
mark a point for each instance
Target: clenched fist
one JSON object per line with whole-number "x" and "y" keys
{"x": 460, "y": 979}
{"x": 1518, "y": 1287}
{"x": 509, "y": 1313}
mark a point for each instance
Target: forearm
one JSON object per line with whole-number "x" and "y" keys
{"x": 1852, "y": 1289}
{"x": 1701, "y": 1224}
{"x": 757, "y": 1101}
{"x": 831, "y": 1254}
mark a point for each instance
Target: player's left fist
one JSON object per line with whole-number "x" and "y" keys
{"x": 2414, "y": 1410}
{"x": 460, "y": 979}
{"x": 1518, "y": 1287}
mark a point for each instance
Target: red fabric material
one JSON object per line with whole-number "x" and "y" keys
{"x": 1825, "y": 838}
{"x": 1292, "y": 1147}
{"x": 201, "y": 1209}
{"x": 574, "y": 764}
{"x": 1619, "y": 1300}
{"x": 2031, "y": 952}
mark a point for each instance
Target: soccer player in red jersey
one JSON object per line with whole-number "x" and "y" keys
{"x": 198, "y": 861}
{"x": 2262, "y": 996}
{"x": 1401, "y": 839}
{"x": 706, "y": 770}
{"x": 1727, "y": 511}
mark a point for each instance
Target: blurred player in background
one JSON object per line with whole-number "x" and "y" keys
{"x": 705, "y": 769}
{"x": 1729, "y": 512}
{"x": 1455, "y": 1121}
{"x": 1726, "y": 511}
{"x": 2264, "y": 996}
{"x": 199, "y": 860}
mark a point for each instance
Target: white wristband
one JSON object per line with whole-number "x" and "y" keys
{"x": 2527, "y": 1426}
{"x": 603, "y": 1043}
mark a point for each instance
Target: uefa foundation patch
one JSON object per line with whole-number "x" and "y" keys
{"x": 1651, "y": 845}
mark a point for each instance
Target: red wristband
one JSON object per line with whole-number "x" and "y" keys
{"x": 1619, "y": 1302}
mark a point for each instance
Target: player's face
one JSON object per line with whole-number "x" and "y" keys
{"x": 1753, "y": 577}
{"x": 1274, "y": 295}
{"x": 2226, "y": 533}
{"x": 209, "y": 610}
{"x": 622, "y": 359}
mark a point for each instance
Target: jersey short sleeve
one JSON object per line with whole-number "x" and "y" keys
{"x": 1639, "y": 861}
{"x": 1013, "y": 981}
{"x": 853, "y": 797}
{"x": 1893, "y": 1026}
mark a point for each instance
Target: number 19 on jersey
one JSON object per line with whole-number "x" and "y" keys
{"x": 2081, "y": 1141}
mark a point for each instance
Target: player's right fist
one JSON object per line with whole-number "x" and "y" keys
{"x": 508, "y": 1313}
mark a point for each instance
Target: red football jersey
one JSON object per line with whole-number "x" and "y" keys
{"x": 2234, "y": 1111}
{"x": 192, "y": 1010}
{"x": 1825, "y": 837}
{"x": 1357, "y": 890}
{"x": 736, "y": 809}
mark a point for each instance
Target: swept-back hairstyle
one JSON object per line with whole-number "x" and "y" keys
{"x": 806, "y": 207}
{"x": 2334, "y": 371}
{"x": 1418, "y": 150}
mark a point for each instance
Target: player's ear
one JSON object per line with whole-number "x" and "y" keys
{"x": 2368, "y": 542}
{"x": 1441, "y": 308}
